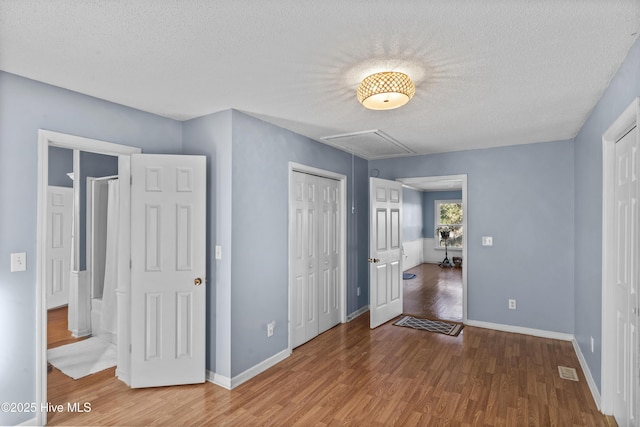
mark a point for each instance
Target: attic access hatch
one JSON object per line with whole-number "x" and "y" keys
{"x": 369, "y": 144}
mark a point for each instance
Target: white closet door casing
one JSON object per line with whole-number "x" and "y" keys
{"x": 168, "y": 258}
{"x": 385, "y": 237}
{"x": 58, "y": 264}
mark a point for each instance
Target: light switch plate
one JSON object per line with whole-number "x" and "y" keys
{"x": 18, "y": 262}
{"x": 487, "y": 241}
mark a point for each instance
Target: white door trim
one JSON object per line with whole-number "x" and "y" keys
{"x": 48, "y": 139}
{"x": 465, "y": 245}
{"x": 342, "y": 179}
{"x": 623, "y": 124}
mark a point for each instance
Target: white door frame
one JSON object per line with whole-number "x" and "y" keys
{"x": 342, "y": 285}
{"x": 48, "y": 139}
{"x": 465, "y": 245}
{"x": 623, "y": 124}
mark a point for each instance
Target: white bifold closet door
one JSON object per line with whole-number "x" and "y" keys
{"x": 314, "y": 243}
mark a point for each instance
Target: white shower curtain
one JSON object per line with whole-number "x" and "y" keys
{"x": 108, "y": 317}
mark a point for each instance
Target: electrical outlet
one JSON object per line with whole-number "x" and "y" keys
{"x": 270, "y": 327}
{"x": 18, "y": 262}
{"x": 358, "y": 290}
{"x": 592, "y": 344}
{"x": 218, "y": 252}
{"x": 512, "y": 304}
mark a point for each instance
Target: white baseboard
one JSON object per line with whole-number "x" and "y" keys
{"x": 587, "y": 373}
{"x": 357, "y": 313}
{"x": 231, "y": 383}
{"x": 521, "y": 330}
{"x": 219, "y": 380}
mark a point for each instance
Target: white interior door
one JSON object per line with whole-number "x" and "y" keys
{"x": 167, "y": 270}
{"x": 626, "y": 296}
{"x": 329, "y": 254}
{"x": 385, "y": 239}
{"x": 58, "y": 249}
{"x": 315, "y": 251}
{"x": 304, "y": 243}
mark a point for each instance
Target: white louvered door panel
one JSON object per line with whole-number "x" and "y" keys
{"x": 168, "y": 258}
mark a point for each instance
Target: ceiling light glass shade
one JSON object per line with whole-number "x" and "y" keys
{"x": 386, "y": 90}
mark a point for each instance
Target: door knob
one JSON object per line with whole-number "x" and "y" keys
{"x": 374, "y": 260}
{"x": 197, "y": 281}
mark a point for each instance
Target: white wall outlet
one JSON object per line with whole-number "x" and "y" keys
{"x": 487, "y": 241}
{"x": 18, "y": 262}
{"x": 592, "y": 344}
{"x": 218, "y": 252}
{"x": 358, "y": 290}
{"x": 270, "y": 327}
{"x": 512, "y": 304}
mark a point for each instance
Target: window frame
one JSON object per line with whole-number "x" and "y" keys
{"x": 436, "y": 224}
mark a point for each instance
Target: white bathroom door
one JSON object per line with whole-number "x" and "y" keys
{"x": 58, "y": 249}
{"x": 167, "y": 270}
{"x": 385, "y": 260}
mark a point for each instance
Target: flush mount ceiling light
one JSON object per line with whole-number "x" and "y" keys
{"x": 386, "y": 90}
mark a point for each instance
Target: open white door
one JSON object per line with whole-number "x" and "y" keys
{"x": 58, "y": 249}
{"x": 626, "y": 295}
{"x": 167, "y": 270}
{"x": 385, "y": 240}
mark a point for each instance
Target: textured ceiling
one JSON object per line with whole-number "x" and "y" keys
{"x": 487, "y": 73}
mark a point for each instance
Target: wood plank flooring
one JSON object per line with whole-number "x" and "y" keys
{"x": 435, "y": 293}
{"x": 57, "y": 328}
{"x": 355, "y": 376}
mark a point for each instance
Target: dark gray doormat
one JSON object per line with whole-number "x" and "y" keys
{"x": 407, "y": 276}
{"x": 447, "y": 328}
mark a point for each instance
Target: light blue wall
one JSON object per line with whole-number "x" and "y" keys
{"x": 429, "y": 201}
{"x": 60, "y": 164}
{"x": 211, "y": 136}
{"x": 412, "y": 214}
{"x": 25, "y": 107}
{"x": 261, "y": 156}
{"x": 624, "y": 87}
{"x": 522, "y": 196}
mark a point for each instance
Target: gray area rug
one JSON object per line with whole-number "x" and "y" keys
{"x": 447, "y": 328}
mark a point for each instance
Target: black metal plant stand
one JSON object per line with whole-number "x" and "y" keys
{"x": 444, "y": 235}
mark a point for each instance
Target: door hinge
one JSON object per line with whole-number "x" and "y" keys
{"x": 130, "y": 348}
{"x": 131, "y": 179}
{"x": 130, "y": 264}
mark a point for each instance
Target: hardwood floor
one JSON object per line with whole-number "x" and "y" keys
{"x": 352, "y": 375}
{"x": 57, "y": 328}
{"x": 435, "y": 293}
